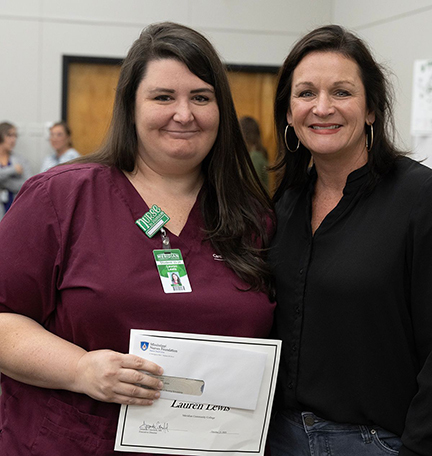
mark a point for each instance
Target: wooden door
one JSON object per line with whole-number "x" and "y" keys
{"x": 89, "y": 102}
{"x": 253, "y": 94}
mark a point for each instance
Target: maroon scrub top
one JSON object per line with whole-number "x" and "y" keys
{"x": 73, "y": 259}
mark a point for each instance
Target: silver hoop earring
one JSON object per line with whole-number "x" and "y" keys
{"x": 286, "y": 140}
{"x": 369, "y": 147}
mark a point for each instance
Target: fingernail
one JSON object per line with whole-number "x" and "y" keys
{"x": 160, "y": 385}
{"x": 157, "y": 395}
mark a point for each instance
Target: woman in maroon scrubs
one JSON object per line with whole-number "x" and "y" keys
{"x": 78, "y": 272}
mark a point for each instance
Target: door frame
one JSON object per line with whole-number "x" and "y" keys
{"x": 67, "y": 61}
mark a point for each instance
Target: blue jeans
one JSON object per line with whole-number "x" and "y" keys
{"x": 304, "y": 434}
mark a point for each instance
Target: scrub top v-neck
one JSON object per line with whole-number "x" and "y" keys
{"x": 90, "y": 277}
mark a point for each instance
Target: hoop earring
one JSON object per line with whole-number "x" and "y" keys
{"x": 286, "y": 140}
{"x": 369, "y": 147}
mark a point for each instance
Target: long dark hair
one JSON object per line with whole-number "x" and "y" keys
{"x": 235, "y": 206}
{"x": 293, "y": 167}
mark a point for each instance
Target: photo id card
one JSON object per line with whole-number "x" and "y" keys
{"x": 172, "y": 271}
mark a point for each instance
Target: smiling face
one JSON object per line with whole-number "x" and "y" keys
{"x": 328, "y": 106}
{"x": 176, "y": 117}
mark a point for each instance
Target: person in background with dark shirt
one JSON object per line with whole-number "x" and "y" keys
{"x": 258, "y": 153}
{"x": 352, "y": 261}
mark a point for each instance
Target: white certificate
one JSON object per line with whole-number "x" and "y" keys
{"x": 217, "y": 397}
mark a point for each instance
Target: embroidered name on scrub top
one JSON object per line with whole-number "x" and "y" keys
{"x": 169, "y": 262}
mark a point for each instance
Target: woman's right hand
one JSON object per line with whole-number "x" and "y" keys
{"x": 109, "y": 376}
{"x": 31, "y": 354}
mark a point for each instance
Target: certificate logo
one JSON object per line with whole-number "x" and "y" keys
{"x": 144, "y": 346}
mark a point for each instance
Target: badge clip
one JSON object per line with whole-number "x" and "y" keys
{"x": 152, "y": 221}
{"x": 165, "y": 239}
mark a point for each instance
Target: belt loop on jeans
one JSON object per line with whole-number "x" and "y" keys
{"x": 365, "y": 433}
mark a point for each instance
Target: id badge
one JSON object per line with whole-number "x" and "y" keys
{"x": 172, "y": 271}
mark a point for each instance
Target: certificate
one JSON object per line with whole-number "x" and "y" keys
{"x": 217, "y": 395}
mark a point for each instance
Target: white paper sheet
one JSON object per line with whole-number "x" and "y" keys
{"x": 193, "y": 426}
{"x": 232, "y": 376}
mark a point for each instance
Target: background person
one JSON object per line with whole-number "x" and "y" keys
{"x": 352, "y": 261}
{"x": 258, "y": 153}
{"x": 61, "y": 142}
{"x": 72, "y": 290}
{"x": 14, "y": 169}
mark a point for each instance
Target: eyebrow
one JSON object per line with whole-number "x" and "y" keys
{"x": 162, "y": 89}
{"x": 310, "y": 84}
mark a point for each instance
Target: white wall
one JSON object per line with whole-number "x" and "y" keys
{"x": 399, "y": 32}
{"x": 35, "y": 34}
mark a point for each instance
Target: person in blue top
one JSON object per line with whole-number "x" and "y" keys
{"x": 61, "y": 142}
{"x": 14, "y": 169}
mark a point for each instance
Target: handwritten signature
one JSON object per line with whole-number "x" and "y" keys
{"x": 154, "y": 427}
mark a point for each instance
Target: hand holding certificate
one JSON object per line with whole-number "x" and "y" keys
{"x": 217, "y": 395}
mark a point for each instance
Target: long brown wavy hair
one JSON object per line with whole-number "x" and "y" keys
{"x": 293, "y": 167}
{"x": 236, "y": 209}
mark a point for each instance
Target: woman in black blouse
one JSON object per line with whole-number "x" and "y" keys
{"x": 352, "y": 261}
